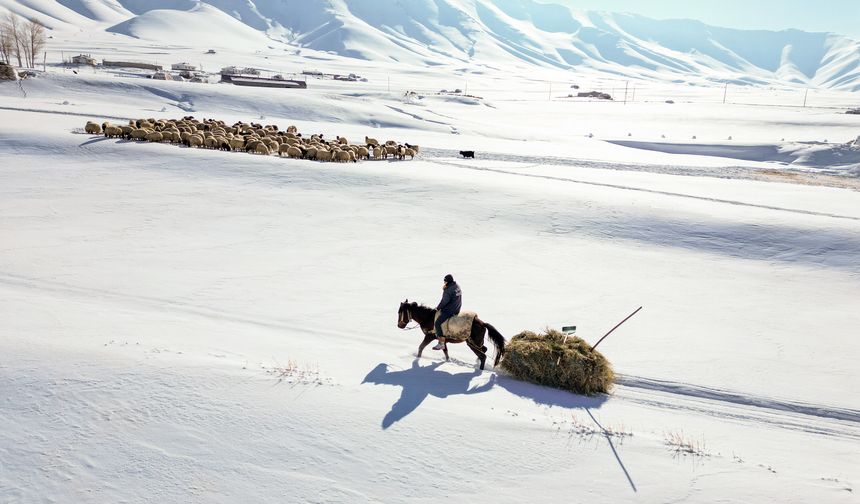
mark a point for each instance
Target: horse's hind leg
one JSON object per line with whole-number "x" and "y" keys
{"x": 478, "y": 333}
{"x": 482, "y": 356}
{"x": 427, "y": 339}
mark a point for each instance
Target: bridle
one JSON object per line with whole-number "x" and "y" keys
{"x": 408, "y": 316}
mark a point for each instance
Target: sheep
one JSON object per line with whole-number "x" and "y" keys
{"x": 112, "y": 131}
{"x": 343, "y": 156}
{"x": 251, "y": 145}
{"x": 255, "y": 138}
{"x": 93, "y": 128}
{"x": 154, "y": 136}
{"x": 195, "y": 141}
{"x": 237, "y": 143}
{"x": 271, "y": 144}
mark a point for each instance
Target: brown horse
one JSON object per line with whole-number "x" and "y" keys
{"x": 425, "y": 316}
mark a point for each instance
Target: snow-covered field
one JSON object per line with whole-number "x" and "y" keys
{"x": 184, "y": 325}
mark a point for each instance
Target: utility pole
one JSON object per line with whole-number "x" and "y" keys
{"x": 633, "y": 99}
{"x": 549, "y": 95}
{"x": 804, "y": 97}
{"x": 725, "y": 92}
{"x": 625, "y": 91}
{"x": 389, "y": 83}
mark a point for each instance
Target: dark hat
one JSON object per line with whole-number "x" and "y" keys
{"x": 449, "y": 278}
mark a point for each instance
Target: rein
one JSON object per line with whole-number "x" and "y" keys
{"x": 410, "y": 319}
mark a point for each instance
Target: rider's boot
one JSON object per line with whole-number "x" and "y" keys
{"x": 441, "y": 344}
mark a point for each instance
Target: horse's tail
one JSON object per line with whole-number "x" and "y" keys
{"x": 498, "y": 340}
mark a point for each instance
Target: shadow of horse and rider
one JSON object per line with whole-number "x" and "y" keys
{"x": 419, "y": 382}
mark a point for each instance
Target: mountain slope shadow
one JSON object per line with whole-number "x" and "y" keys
{"x": 418, "y": 382}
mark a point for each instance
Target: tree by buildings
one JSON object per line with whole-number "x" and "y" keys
{"x": 21, "y": 40}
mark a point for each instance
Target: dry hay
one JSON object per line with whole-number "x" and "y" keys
{"x": 7, "y": 72}
{"x": 554, "y": 360}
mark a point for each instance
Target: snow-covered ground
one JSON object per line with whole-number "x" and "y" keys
{"x": 185, "y": 325}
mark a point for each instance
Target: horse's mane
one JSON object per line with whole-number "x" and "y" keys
{"x": 420, "y": 306}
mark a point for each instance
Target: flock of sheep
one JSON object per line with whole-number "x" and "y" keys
{"x": 251, "y": 137}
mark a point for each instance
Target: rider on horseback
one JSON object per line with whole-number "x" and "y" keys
{"x": 452, "y": 300}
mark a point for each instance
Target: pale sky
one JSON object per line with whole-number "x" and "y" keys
{"x": 839, "y": 16}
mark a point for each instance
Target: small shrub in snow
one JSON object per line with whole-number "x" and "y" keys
{"x": 7, "y": 72}
{"x": 581, "y": 429}
{"x": 683, "y": 445}
{"x": 293, "y": 373}
{"x": 558, "y": 360}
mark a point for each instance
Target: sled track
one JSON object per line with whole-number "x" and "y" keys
{"x": 713, "y": 394}
{"x": 813, "y": 418}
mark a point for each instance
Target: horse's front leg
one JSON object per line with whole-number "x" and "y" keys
{"x": 427, "y": 339}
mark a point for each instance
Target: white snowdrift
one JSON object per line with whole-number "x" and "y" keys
{"x": 203, "y": 26}
{"x": 839, "y": 158}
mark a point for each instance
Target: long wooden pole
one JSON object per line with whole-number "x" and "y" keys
{"x": 616, "y": 327}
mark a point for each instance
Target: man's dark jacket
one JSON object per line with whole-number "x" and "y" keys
{"x": 452, "y": 300}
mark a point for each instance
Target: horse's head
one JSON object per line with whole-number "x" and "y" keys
{"x": 403, "y": 315}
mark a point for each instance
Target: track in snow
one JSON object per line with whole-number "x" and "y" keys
{"x": 739, "y": 406}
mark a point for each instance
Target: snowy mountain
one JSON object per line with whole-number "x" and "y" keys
{"x": 492, "y": 33}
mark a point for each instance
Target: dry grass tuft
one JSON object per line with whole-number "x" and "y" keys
{"x": 680, "y": 444}
{"x": 554, "y": 360}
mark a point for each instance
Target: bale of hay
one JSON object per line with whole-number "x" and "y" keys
{"x": 551, "y": 359}
{"x": 7, "y": 72}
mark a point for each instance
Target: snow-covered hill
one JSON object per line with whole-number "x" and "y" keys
{"x": 490, "y": 33}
